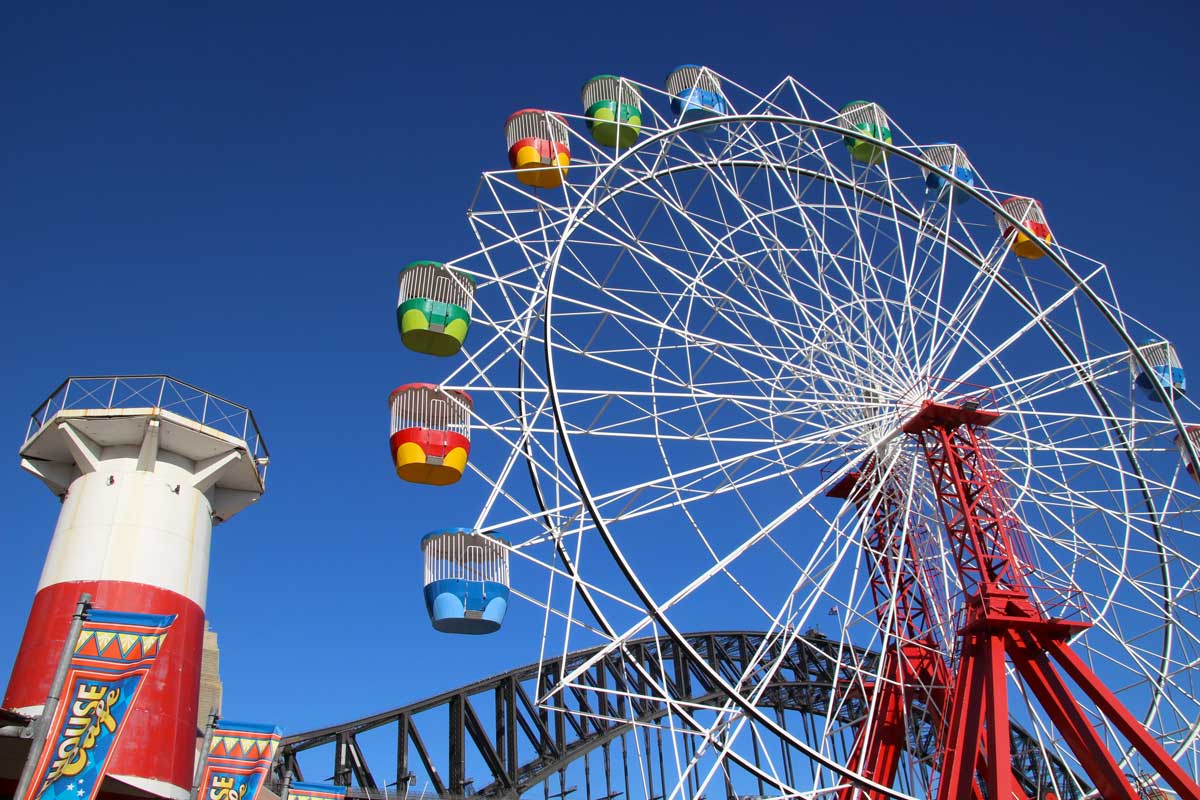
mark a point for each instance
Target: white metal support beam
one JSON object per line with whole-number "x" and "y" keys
{"x": 85, "y": 452}
{"x": 210, "y": 470}
{"x": 148, "y": 453}
{"x": 55, "y": 474}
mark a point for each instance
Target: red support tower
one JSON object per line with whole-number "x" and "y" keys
{"x": 881, "y": 739}
{"x": 913, "y": 669}
{"x": 1003, "y": 621}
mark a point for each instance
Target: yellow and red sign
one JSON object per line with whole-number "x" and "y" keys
{"x": 239, "y": 755}
{"x": 315, "y": 791}
{"x": 112, "y": 657}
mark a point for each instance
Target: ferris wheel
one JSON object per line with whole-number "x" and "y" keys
{"x": 728, "y": 360}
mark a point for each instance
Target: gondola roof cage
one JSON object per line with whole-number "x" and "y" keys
{"x": 464, "y": 554}
{"x": 1024, "y": 209}
{"x": 692, "y": 76}
{"x": 612, "y": 88}
{"x": 535, "y": 123}
{"x": 489, "y": 539}
{"x": 435, "y": 281}
{"x": 426, "y": 405}
{"x": 1160, "y": 353}
{"x": 860, "y": 113}
{"x": 946, "y": 157}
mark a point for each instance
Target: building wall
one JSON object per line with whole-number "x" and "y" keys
{"x": 210, "y": 679}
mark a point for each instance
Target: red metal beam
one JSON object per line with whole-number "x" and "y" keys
{"x": 1116, "y": 713}
{"x": 1068, "y": 718}
{"x": 911, "y": 670}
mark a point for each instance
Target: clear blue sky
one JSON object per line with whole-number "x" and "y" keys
{"x": 226, "y": 194}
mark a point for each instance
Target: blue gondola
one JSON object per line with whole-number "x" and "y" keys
{"x": 950, "y": 159}
{"x": 1165, "y": 369}
{"x": 466, "y": 580}
{"x": 695, "y": 94}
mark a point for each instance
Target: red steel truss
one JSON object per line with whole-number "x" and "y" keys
{"x": 1003, "y": 622}
{"x": 913, "y": 668}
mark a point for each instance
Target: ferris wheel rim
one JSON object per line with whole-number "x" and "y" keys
{"x": 1081, "y": 284}
{"x": 509, "y": 226}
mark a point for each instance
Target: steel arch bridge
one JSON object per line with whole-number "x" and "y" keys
{"x": 497, "y": 725}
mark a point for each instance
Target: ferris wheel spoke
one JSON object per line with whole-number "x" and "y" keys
{"x": 711, "y": 239}
{"x": 667, "y": 485}
{"x": 691, "y": 283}
{"x": 712, "y": 480}
{"x": 1060, "y": 479}
{"x": 1019, "y": 392}
{"x": 754, "y": 664}
{"x": 868, "y": 261}
{"x": 770, "y": 241}
{"x": 924, "y": 294}
{"x": 863, "y": 322}
{"x": 733, "y": 355}
{"x": 632, "y": 309}
{"x": 815, "y": 596}
{"x": 1036, "y": 321}
{"x": 812, "y": 576}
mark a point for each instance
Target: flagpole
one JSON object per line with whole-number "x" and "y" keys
{"x": 202, "y": 762}
{"x": 41, "y": 726}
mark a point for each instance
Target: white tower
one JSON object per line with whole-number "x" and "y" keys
{"x": 144, "y": 466}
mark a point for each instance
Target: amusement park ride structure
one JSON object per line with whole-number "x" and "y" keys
{"x": 715, "y": 278}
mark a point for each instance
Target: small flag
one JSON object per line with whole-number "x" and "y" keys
{"x": 239, "y": 755}
{"x": 315, "y": 791}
